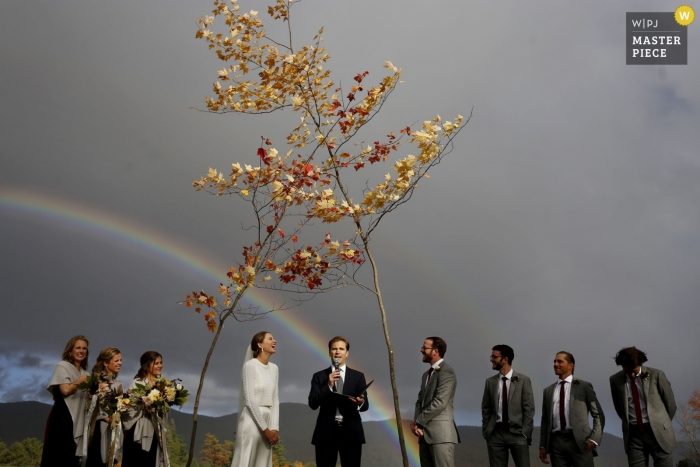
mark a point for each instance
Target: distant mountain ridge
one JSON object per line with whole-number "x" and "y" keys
{"x": 20, "y": 420}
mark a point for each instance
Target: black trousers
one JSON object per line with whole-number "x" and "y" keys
{"x": 327, "y": 453}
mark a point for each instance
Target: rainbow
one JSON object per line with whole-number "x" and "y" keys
{"x": 128, "y": 233}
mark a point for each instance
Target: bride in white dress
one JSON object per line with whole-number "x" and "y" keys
{"x": 258, "y": 408}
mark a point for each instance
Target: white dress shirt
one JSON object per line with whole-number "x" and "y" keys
{"x": 500, "y": 393}
{"x": 556, "y": 426}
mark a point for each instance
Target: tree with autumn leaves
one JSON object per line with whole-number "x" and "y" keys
{"x": 689, "y": 421}
{"x": 308, "y": 182}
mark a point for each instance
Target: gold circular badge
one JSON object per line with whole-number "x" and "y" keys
{"x": 684, "y": 15}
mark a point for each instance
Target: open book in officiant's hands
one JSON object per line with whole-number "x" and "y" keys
{"x": 363, "y": 391}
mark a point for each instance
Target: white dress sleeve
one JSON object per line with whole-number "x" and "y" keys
{"x": 249, "y": 377}
{"x": 275, "y": 408}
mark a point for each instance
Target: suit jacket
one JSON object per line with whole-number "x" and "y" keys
{"x": 661, "y": 405}
{"x": 322, "y": 396}
{"x": 521, "y": 405}
{"x": 434, "y": 407}
{"x": 582, "y": 401}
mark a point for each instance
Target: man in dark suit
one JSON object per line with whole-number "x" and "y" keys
{"x": 433, "y": 421}
{"x": 565, "y": 433}
{"x": 507, "y": 411}
{"x": 339, "y": 425}
{"x": 644, "y": 401}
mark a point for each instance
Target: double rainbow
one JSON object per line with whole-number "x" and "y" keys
{"x": 128, "y": 233}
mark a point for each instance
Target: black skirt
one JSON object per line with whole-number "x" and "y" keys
{"x": 59, "y": 445}
{"x": 94, "y": 455}
{"x": 134, "y": 456}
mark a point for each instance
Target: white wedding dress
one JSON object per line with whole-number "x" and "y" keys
{"x": 260, "y": 411}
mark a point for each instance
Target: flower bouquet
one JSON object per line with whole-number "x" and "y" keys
{"x": 108, "y": 400}
{"x": 158, "y": 398}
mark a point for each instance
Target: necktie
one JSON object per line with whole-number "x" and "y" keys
{"x": 637, "y": 406}
{"x": 339, "y": 389}
{"x": 504, "y": 402}
{"x": 430, "y": 373}
{"x": 339, "y": 383}
{"x": 562, "y": 407}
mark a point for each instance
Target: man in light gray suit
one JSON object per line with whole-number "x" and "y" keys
{"x": 507, "y": 411}
{"x": 565, "y": 433}
{"x": 433, "y": 421}
{"x": 644, "y": 401}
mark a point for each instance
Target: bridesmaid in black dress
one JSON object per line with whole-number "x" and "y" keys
{"x": 63, "y": 438}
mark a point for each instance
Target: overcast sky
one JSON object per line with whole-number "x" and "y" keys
{"x": 565, "y": 219}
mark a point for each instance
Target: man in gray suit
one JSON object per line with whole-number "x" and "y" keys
{"x": 507, "y": 411}
{"x": 644, "y": 401}
{"x": 565, "y": 433}
{"x": 433, "y": 421}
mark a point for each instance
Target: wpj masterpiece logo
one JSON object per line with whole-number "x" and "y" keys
{"x": 659, "y": 38}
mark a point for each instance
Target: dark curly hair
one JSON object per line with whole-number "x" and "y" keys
{"x": 630, "y": 357}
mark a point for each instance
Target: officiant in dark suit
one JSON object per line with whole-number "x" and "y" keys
{"x": 339, "y": 425}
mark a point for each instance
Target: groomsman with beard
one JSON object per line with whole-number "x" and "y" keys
{"x": 644, "y": 401}
{"x": 507, "y": 411}
{"x": 433, "y": 421}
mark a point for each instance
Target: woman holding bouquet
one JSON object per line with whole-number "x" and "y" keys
{"x": 258, "y": 410}
{"x": 63, "y": 439}
{"x": 143, "y": 438}
{"x": 105, "y": 420}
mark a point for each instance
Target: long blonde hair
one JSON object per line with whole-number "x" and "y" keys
{"x": 66, "y": 356}
{"x": 103, "y": 359}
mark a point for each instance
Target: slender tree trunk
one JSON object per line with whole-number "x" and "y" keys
{"x": 390, "y": 349}
{"x": 199, "y": 393}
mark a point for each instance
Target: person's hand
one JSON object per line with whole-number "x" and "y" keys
{"x": 271, "y": 436}
{"x": 333, "y": 377}
{"x": 543, "y": 456}
{"x": 277, "y": 436}
{"x": 359, "y": 400}
{"x": 415, "y": 430}
{"x": 590, "y": 445}
{"x": 108, "y": 419}
{"x": 81, "y": 380}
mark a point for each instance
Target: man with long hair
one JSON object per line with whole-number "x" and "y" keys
{"x": 644, "y": 401}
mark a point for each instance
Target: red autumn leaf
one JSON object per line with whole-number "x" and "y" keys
{"x": 281, "y": 232}
{"x": 270, "y": 229}
{"x": 294, "y": 238}
{"x": 263, "y": 155}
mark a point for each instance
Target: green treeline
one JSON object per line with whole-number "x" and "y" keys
{"x": 27, "y": 453}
